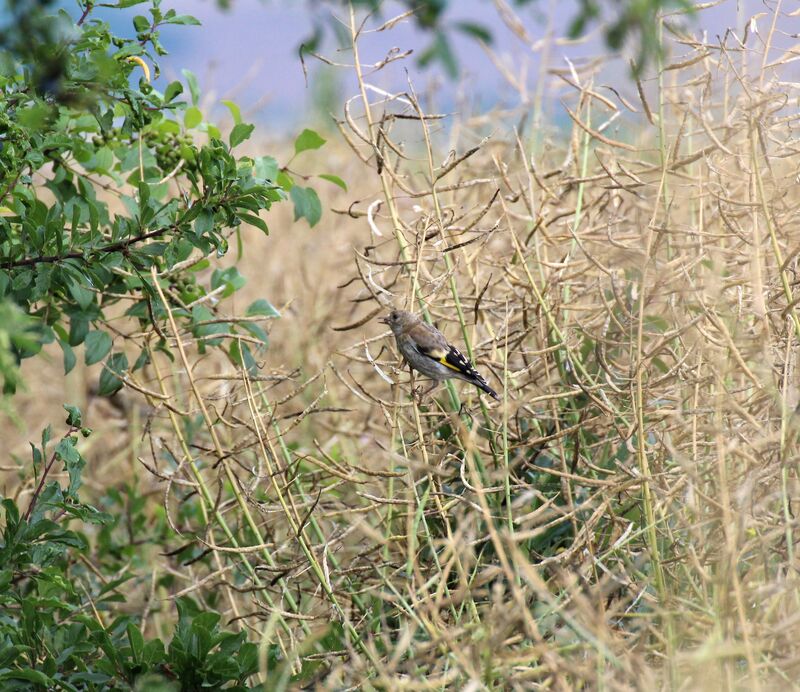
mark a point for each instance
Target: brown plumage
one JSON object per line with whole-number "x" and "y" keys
{"x": 427, "y": 351}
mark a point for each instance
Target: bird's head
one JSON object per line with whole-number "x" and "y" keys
{"x": 397, "y": 320}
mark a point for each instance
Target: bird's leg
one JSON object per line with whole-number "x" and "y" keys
{"x": 433, "y": 386}
{"x": 413, "y": 388}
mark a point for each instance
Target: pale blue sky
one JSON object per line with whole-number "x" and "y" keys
{"x": 250, "y": 51}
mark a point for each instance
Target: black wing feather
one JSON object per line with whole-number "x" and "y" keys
{"x": 456, "y": 361}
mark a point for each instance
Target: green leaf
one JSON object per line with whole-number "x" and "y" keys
{"x": 111, "y": 377}
{"x": 335, "y": 179}
{"x": 97, "y": 346}
{"x": 44, "y": 278}
{"x": 141, "y": 23}
{"x": 285, "y": 180}
{"x": 440, "y": 51}
{"x": 69, "y": 356}
{"x": 257, "y": 331}
{"x": 262, "y": 307}
{"x": 82, "y": 295}
{"x": 235, "y": 353}
{"x": 306, "y": 204}
{"x": 478, "y": 31}
{"x": 249, "y": 361}
{"x": 192, "y": 117}
{"x": 144, "y": 193}
{"x": 266, "y": 168}
{"x": 78, "y": 329}
{"x": 235, "y": 112}
{"x": 73, "y": 463}
{"x": 170, "y": 126}
{"x": 242, "y": 356}
{"x": 182, "y": 20}
{"x": 136, "y": 641}
{"x": 247, "y": 659}
{"x": 35, "y": 117}
{"x": 204, "y": 223}
{"x": 174, "y": 89}
{"x": 230, "y": 278}
{"x": 307, "y": 139}
{"x": 194, "y": 90}
{"x": 29, "y": 675}
{"x": 254, "y": 220}
{"x": 240, "y": 133}
{"x": 103, "y": 160}
{"x": 23, "y": 279}
{"x": 74, "y": 419}
{"x": 206, "y": 324}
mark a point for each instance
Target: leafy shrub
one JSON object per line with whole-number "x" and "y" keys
{"x": 107, "y": 181}
{"x": 114, "y": 194}
{"x": 59, "y": 621}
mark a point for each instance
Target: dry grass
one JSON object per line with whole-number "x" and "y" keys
{"x": 624, "y": 517}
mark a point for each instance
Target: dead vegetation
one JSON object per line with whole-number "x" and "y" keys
{"x": 624, "y": 517}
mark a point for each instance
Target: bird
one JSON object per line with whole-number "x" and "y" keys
{"x": 427, "y": 351}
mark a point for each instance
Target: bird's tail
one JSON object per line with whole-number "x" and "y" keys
{"x": 481, "y": 383}
{"x": 476, "y": 378}
{"x": 463, "y": 370}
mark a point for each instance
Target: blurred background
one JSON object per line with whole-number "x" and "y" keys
{"x": 249, "y": 49}
{"x": 615, "y": 246}
{"x": 501, "y": 65}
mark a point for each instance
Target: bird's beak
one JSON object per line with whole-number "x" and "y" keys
{"x": 384, "y": 320}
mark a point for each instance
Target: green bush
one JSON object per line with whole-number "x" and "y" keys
{"x": 115, "y": 195}
{"x": 104, "y": 178}
{"x": 58, "y": 623}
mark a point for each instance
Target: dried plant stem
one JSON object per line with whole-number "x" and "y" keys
{"x": 208, "y": 500}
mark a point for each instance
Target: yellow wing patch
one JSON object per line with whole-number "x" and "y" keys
{"x": 444, "y": 362}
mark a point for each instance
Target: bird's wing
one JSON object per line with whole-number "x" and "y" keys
{"x": 431, "y": 342}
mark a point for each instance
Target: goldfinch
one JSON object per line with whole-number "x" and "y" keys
{"x": 426, "y": 350}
